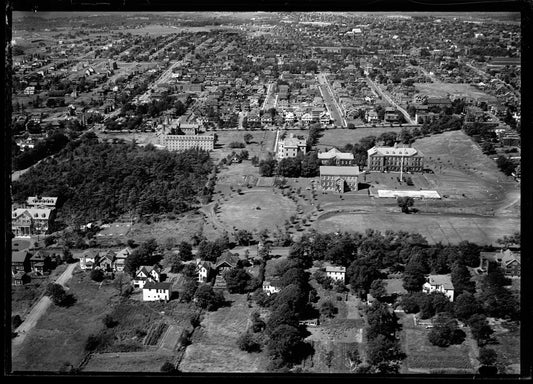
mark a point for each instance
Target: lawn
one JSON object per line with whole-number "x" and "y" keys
{"x": 61, "y": 333}
{"x": 182, "y": 228}
{"x": 256, "y": 209}
{"x": 445, "y": 89}
{"x": 261, "y": 143}
{"x": 214, "y": 347}
{"x": 423, "y": 357}
{"x": 340, "y": 137}
{"x": 126, "y": 362}
{"x": 508, "y": 351}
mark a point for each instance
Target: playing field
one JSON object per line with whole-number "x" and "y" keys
{"x": 448, "y": 229}
{"x": 214, "y": 347}
{"x": 256, "y": 209}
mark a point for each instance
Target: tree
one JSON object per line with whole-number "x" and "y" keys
{"x": 405, "y": 136}
{"x": 189, "y": 289}
{"x": 237, "y": 280}
{"x": 97, "y": 275}
{"x": 413, "y": 277}
{"x": 405, "y": 202}
{"x": 505, "y": 165}
{"x": 284, "y": 342}
{"x": 445, "y": 331}
{"x": 328, "y": 359}
{"x": 480, "y": 328}
{"x": 208, "y": 299}
{"x": 168, "y": 367}
{"x": 381, "y": 321}
{"x": 361, "y": 276}
{"x": 248, "y": 138}
{"x": 16, "y": 321}
{"x": 243, "y": 237}
{"x": 108, "y": 321}
{"x": 377, "y": 289}
{"x": 190, "y": 271}
{"x": 382, "y": 350}
{"x": 289, "y": 167}
{"x": 327, "y": 309}
{"x": 466, "y": 305}
{"x": 248, "y": 342}
{"x": 310, "y": 164}
{"x": 283, "y": 314}
{"x": 487, "y": 356}
{"x": 58, "y": 295}
{"x": 353, "y": 358}
{"x": 388, "y": 138}
{"x": 267, "y": 168}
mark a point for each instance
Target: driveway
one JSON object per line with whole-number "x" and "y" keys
{"x": 38, "y": 310}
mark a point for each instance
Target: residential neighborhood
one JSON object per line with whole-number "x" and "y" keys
{"x": 266, "y": 192}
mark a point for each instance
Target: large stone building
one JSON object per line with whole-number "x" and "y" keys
{"x": 184, "y": 142}
{"x": 335, "y": 157}
{"x": 395, "y": 159}
{"x": 339, "y": 179}
{"x": 290, "y": 147}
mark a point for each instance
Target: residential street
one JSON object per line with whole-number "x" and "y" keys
{"x": 329, "y": 99}
{"x": 38, "y": 310}
{"x": 387, "y": 97}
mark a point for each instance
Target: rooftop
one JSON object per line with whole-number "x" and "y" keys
{"x": 393, "y": 151}
{"x": 339, "y": 171}
{"x": 444, "y": 280}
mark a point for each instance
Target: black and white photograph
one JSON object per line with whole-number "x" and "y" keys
{"x": 301, "y": 192}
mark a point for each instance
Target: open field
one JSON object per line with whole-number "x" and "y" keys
{"x": 214, "y": 347}
{"x": 340, "y": 137}
{"x": 61, "y": 333}
{"x": 261, "y": 143}
{"x": 182, "y": 228}
{"x": 236, "y": 175}
{"x": 423, "y": 357}
{"x": 435, "y": 228}
{"x": 508, "y": 351}
{"x": 445, "y": 89}
{"x": 241, "y": 211}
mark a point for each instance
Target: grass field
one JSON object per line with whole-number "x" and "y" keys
{"x": 340, "y": 137}
{"x": 508, "y": 351}
{"x": 423, "y": 357}
{"x": 214, "y": 347}
{"x": 241, "y": 211}
{"x": 126, "y": 362}
{"x": 445, "y": 89}
{"x": 261, "y": 143}
{"x": 181, "y": 228}
{"x": 61, "y": 333}
{"x": 435, "y": 228}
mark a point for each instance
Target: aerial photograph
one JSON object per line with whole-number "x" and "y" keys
{"x": 265, "y": 192}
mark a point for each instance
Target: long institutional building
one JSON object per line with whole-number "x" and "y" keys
{"x": 184, "y": 142}
{"x": 394, "y": 159}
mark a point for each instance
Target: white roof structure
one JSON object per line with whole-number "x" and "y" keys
{"x": 336, "y": 269}
{"x": 36, "y": 213}
{"x": 339, "y": 171}
{"x": 38, "y": 200}
{"x": 335, "y": 153}
{"x": 292, "y": 141}
{"x": 392, "y": 151}
{"x": 413, "y": 194}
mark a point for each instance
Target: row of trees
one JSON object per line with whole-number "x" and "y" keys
{"x": 300, "y": 166}
{"x": 49, "y": 146}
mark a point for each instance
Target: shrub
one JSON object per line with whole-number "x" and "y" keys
{"x": 97, "y": 275}
{"x": 108, "y": 321}
{"x": 487, "y": 356}
{"x": 16, "y": 321}
{"x": 247, "y": 342}
{"x": 167, "y": 367}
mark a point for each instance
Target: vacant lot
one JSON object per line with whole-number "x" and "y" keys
{"x": 508, "y": 350}
{"x": 61, "y": 333}
{"x": 256, "y": 209}
{"x": 423, "y": 357}
{"x": 340, "y": 137}
{"x": 445, "y": 89}
{"x": 435, "y": 228}
{"x": 214, "y": 347}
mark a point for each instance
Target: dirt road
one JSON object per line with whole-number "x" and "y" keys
{"x": 37, "y": 311}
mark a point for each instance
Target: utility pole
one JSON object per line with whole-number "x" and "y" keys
{"x": 401, "y": 169}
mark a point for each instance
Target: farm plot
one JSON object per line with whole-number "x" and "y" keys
{"x": 423, "y": 357}
{"x": 435, "y": 228}
{"x": 256, "y": 209}
{"x": 214, "y": 347}
{"x": 60, "y": 334}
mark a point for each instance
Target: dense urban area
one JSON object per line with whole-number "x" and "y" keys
{"x": 266, "y": 192}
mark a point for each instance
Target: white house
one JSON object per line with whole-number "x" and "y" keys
{"x": 271, "y": 286}
{"x": 120, "y": 259}
{"x": 439, "y": 283}
{"x": 204, "y": 269}
{"x": 146, "y": 274}
{"x": 336, "y": 273}
{"x": 88, "y": 259}
{"x": 156, "y": 291}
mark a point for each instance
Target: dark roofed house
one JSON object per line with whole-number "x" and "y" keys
{"x": 20, "y": 278}
{"x": 508, "y": 261}
{"x": 226, "y": 261}
{"x": 155, "y": 291}
{"x": 20, "y": 261}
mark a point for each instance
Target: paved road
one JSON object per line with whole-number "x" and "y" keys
{"x": 269, "y": 100}
{"x": 38, "y": 310}
{"x": 332, "y": 106}
{"x": 392, "y": 102}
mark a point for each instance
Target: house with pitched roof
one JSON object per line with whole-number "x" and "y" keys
{"x": 205, "y": 269}
{"x": 156, "y": 291}
{"x": 508, "y": 261}
{"x": 291, "y": 147}
{"x": 31, "y": 221}
{"x": 225, "y": 262}
{"x": 88, "y": 259}
{"x": 335, "y": 157}
{"x": 146, "y": 274}
{"x": 271, "y": 286}
{"x": 20, "y": 261}
{"x": 336, "y": 273}
{"x": 439, "y": 283}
